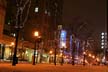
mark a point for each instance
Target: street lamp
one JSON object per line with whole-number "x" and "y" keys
{"x": 12, "y": 44}
{"x": 36, "y": 34}
{"x": 55, "y": 52}
{"x": 50, "y": 59}
{"x": 84, "y": 54}
{"x": 89, "y": 55}
{"x": 51, "y": 52}
{"x": 63, "y": 46}
{"x": 93, "y": 56}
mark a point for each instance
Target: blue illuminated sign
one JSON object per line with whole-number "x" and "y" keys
{"x": 62, "y": 37}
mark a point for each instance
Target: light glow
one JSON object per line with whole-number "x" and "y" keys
{"x": 36, "y": 33}
{"x": 63, "y": 39}
{"x": 89, "y": 55}
{"x": 102, "y": 37}
{"x": 36, "y": 9}
{"x": 51, "y": 52}
{"x": 102, "y": 33}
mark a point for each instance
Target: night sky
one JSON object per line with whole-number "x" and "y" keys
{"x": 91, "y": 11}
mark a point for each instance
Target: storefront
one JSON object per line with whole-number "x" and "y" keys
{"x": 28, "y": 54}
{"x": 24, "y": 54}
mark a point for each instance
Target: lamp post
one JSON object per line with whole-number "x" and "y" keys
{"x": 62, "y": 56}
{"x": 62, "y": 59}
{"x": 73, "y": 49}
{"x": 55, "y": 52}
{"x": 36, "y": 34}
{"x": 84, "y": 54}
{"x": 50, "y": 59}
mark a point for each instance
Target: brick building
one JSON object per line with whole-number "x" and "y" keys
{"x": 44, "y": 16}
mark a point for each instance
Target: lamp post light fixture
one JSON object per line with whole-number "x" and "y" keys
{"x": 36, "y": 34}
{"x": 51, "y": 52}
{"x": 12, "y": 44}
{"x": 89, "y": 55}
{"x": 93, "y": 56}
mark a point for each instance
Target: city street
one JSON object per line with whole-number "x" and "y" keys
{"x": 53, "y": 34}
{"x": 50, "y": 68}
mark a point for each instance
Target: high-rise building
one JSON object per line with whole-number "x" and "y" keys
{"x": 104, "y": 45}
{"x": 44, "y": 16}
{"x": 103, "y": 40}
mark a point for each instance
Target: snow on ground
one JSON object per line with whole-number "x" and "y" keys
{"x": 51, "y": 68}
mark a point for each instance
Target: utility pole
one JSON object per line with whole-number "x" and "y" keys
{"x": 55, "y": 54}
{"x": 34, "y": 53}
{"x": 55, "y": 49}
{"x": 84, "y": 52}
{"x": 73, "y": 49}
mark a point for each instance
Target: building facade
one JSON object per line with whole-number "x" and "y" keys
{"x": 44, "y": 16}
{"x": 2, "y": 16}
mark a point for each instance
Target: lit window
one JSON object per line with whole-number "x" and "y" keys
{"x": 102, "y": 40}
{"x": 8, "y": 23}
{"x": 45, "y": 11}
{"x": 49, "y": 13}
{"x": 102, "y": 47}
{"x": 59, "y": 27}
{"x": 14, "y": 34}
{"x": 102, "y": 33}
{"x": 102, "y": 37}
{"x": 36, "y": 9}
{"x": 102, "y": 43}
{"x": 26, "y": 52}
